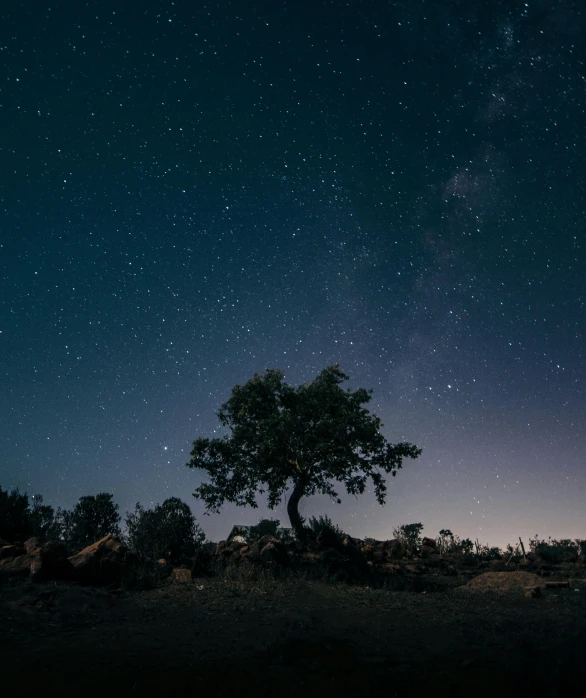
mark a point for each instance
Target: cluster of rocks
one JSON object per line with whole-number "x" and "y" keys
{"x": 108, "y": 562}
{"x": 349, "y": 556}
{"x": 105, "y": 562}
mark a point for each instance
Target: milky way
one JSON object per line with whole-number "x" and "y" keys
{"x": 195, "y": 192}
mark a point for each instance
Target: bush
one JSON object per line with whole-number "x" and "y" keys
{"x": 324, "y": 523}
{"x": 20, "y": 520}
{"x": 92, "y": 518}
{"x": 267, "y": 527}
{"x": 490, "y": 553}
{"x": 450, "y": 543}
{"x": 554, "y": 552}
{"x": 45, "y": 523}
{"x": 168, "y": 531}
{"x": 14, "y": 516}
{"x": 409, "y": 535}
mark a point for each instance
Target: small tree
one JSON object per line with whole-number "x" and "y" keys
{"x": 266, "y": 527}
{"x": 92, "y": 518}
{"x": 168, "y": 531}
{"x": 323, "y": 523}
{"x": 302, "y": 437}
{"x": 14, "y": 515}
{"x": 44, "y": 522}
{"x": 409, "y": 534}
{"x": 448, "y": 542}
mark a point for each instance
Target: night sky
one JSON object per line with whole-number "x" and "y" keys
{"x": 192, "y": 192}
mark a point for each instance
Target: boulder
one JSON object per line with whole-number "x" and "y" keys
{"x": 368, "y": 551}
{"x": 24, "y": 566}
{"x": 274, "y": 553}
{"x": 429, "y": 542}
{"x": 379, "y": 556}
{"x": 105, "y": 562}
{"x": 56, "y": 565}
{"x": 7, "y": 551}
{"x": 31, "y": 544}
{"x": 266, "y": 539}
{"x": 179, "y": 575}
{"x": 394, "y": 548}
{"x": 221, "y": 547}
{"x": 252, "y": 554}
{"x": 351, "y": 550}
{"x": 331, "y": 557}
{"x": 578, "y": 584}
{"x": 328, "y": 539}
{"x": 426, "y": 551}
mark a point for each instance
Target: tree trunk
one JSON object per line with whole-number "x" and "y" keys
{"x": 293, "y": 511}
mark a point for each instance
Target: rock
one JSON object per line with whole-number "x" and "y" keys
{"x": 266, "y": 539}
{"x": 56, "y": 564}
{"x": 394, "y": 548}
{"x": 368, "y": 551}
{"x": 328, "y": 539}
{"x": 31, "y": 544}
{"x": 557, "y": 585}
{"x": 353, "y": 552}
{"x": 429, "y": 542}
{"x": 221, "y": 546}
{"x": 105, "y": 562}
{"x": 7, "y": 551}
{"x": 578, "y": 584}
{"x": 22, "y": 565}
{"x": 253, "y": 554}
{"x": 274, "y": 553}
{"x": 179, "y": 575}
{"x": 534, "y": 593}
{"x": 379, "y": 555}
{"x": 426, "y": 551}
{"x": 331, "y": 557}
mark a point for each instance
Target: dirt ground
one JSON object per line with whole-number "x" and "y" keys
{"x": 291, "y": 638}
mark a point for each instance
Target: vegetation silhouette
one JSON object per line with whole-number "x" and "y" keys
{"x": 304, "y": 437}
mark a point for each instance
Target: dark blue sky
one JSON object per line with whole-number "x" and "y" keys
{"x": 193, "y": 192}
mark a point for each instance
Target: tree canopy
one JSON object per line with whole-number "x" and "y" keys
{"x": 303, "y": 437}
{"x": 92, "y": 518}
{"x": 168, "y": 531}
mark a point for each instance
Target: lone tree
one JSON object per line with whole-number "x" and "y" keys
{"x": 304, "y": 437}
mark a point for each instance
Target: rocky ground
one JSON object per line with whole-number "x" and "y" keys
{"x": 438, "y": 630}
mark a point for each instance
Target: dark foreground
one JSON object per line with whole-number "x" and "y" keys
{"x": 295, "y": 638}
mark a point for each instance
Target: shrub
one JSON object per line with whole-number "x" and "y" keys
{"x": 45, "y": 523}
{"x": 92, "y": 518}
{"x": 553, "y": 552}
{"x": 19, "y": 519}
{"x": 490, "y": 553}
{"x": 14, "y": 515}
{"x": 409, "y": 534}
{"x": 323, "y": 523}
{"x": 267, "y": 527}
{"x": 168, "y": 531}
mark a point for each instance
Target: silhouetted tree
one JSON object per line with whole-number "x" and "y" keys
{"x": 45, "y": 523}
{"x": 168, "y": 531}
{"x": 409, "y": 534}
{"x": 304, "y": 437}
{"x": 92, "y": 518}
{"x": 266, "y": 527}
{"x": 14, "y": 515}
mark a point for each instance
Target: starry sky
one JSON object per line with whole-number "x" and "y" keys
{"x": 192, "y": 192}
